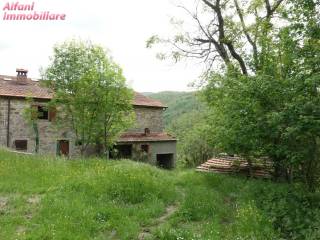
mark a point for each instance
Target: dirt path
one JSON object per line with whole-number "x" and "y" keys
{"x": 146, "y": 232}
{"x": 3, "y": 203}
{"x": 169, "y": 212}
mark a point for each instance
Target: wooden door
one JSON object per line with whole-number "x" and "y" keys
{"x": 64, "y": 147}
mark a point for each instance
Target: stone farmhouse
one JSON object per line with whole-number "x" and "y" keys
{"x": 145, "y": 141}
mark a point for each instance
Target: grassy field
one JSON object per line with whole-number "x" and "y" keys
{"x": 46, "y": 198}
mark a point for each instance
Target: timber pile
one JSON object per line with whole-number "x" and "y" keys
{"x": 226, "y": 164}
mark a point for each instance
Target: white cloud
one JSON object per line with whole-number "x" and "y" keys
{"x": 121, "y": 26}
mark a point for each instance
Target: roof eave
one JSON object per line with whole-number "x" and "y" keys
{"x": 146, "y": 140}
{"x": 24, "y": 97}
{"x": 148, "y": 106}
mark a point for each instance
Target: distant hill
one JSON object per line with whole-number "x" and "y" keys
{"x": 178, "y": 103}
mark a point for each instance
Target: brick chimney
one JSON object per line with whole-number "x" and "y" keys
{"x": 22, "y": 75}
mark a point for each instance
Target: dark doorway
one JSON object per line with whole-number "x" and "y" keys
{"x": 165, "y": 160}
{"x": 63, "y": 148}
{"x": 145, "y": 148}
{"x": 122, "y": 151}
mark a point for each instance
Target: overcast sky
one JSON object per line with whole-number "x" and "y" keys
{"x": 120, "y": 26}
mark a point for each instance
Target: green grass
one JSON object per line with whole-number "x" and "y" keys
{"x": 51, "y": 198}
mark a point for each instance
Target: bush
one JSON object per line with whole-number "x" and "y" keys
{"x": 294, "y": 212}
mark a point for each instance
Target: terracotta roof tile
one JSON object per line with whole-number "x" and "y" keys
{"x": 141, "y": 137}
{"x": 141, "y": 100}
{"x": 10, "y": 87}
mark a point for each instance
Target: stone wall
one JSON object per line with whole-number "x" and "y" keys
{"x": 3, "y": 121}
{"x": 148, "y": 117}
{"x": 49, "y": 133}
{"x": 20, "y": 129}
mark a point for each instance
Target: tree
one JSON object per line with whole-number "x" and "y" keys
{"x": 264, "y": 94}
{"x": 275, "y": 112}
{"x": 90, "y": 93}
{"x": 225, "y": 32}
{"x": 30, "y": 114}
{"x": 191, "y": 130}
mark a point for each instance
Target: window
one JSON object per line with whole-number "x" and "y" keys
{"x": 43, "y": 113}
{"x": 21, "y": 145}
{"x": 145, "y": 148}
{"x": 146, "y": 131}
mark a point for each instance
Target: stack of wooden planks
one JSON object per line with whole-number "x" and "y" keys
{"x": 227, "y": 164}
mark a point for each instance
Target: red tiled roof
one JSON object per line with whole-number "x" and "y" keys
{"x": 141, "y": 137}
{"x": 10, "y": 87}
{"x": 141, "y": 100}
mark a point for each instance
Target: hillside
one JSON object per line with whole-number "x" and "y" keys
{"x": 178, "y": 103}
{"x": 185, "y": 119}
{"x": 52, "y": 198}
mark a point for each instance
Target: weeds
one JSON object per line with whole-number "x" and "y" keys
{"x": 52, "y": 198}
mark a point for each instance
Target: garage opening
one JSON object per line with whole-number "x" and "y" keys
{"x": 122, "y": 151}
{"x": 165, "y": 160}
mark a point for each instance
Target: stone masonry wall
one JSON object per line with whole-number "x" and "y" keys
{"x": 49, "y": 134}
{"x": 21, "y": 130}
{"x": 148, "y": 117}
{"x": 3, "y": 121}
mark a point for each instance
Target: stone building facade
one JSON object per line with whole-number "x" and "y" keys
{"x": 145, "y": 141}
{"x": 14, "y": 129}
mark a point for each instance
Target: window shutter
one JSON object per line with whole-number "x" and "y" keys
{"x": 52, "y": 114}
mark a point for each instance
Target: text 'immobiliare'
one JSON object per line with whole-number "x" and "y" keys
{"x": 17, "y": 11}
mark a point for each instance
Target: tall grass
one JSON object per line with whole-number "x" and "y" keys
{"x": 53, "y": 198}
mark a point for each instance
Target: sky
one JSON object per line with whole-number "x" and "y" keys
{"x": 122, "y": 27}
